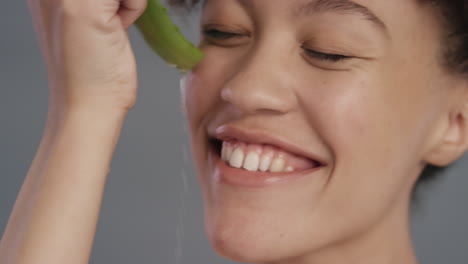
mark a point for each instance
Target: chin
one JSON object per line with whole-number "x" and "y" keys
{"x": 246, "y": 242}
{"x": 257, "y": 232}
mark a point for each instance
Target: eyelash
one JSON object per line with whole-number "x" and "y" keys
{"x": 326, "y": 56}
{"x": 217, "y": 34}
{"x": 213, "y": 33}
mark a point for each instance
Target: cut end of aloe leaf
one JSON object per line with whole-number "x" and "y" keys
{"x": 164, "y": 37}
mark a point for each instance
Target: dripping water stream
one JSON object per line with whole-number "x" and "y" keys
{"x": 186, "y": 169}
{"x": 184, "y": 186}
{"x": 182, "y": 211}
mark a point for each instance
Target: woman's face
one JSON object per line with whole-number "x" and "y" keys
{"x": 343, "y": 98}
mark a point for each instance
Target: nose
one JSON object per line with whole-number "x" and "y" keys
{"x": 261, "y": 83}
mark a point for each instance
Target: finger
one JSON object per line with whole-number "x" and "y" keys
{"x": 130, "y": 11}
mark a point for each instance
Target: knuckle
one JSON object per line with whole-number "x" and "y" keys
{"x": 141, "y": 5}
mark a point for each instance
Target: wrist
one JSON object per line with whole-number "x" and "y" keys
{"x": 115, "y": 103}
{"x": 95, "y": 116}
{"x": 57, "y": 112}
{"x": 87, "y": 118}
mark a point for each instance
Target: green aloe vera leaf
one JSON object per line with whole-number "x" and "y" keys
{"x": 165, "y": 38}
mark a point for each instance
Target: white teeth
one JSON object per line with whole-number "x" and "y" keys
{"x": 223, "y": 152}
{"x": 252, "y": 161}
{"x": 229, "y": 152}
{"x": 265, "y": 163}
{"x": 277, "y": 165}
{"x": 226, "y": 151}
{"x": 237, "y": 158}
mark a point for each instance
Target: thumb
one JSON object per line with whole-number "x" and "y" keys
{"x": 130, "y": 10}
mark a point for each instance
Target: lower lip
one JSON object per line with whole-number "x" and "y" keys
{"x": 226, "y": 174}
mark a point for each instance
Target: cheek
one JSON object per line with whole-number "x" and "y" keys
{"x": 370, "y": 129}
{"x": 197, "y": 99}
{"x": 203, "y": 87}
{"x": 201, "y": 100}
{"x": 373, "y": 120}
{"x": 202, "y": 91}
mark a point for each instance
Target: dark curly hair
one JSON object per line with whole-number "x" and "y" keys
{"x": 453, "y": 15}
{"x": 453, "y": 56}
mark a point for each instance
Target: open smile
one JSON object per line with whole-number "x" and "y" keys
{"x": 246, "y": 159}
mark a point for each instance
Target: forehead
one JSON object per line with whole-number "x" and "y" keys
{"x": 382, "y": 14}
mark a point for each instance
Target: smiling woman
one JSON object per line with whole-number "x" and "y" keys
{"x": 311, "y": 122}
{"x": 454, "y": 53}
{"x": 372, "y": 98}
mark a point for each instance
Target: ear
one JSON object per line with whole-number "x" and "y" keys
{"x": 453, "y": 142}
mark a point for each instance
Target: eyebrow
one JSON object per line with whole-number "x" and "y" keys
{"x": 341, "y": 6}
{"x": 335, "y": 6}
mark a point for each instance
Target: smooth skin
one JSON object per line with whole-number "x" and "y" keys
{"x": 376, "y": 119}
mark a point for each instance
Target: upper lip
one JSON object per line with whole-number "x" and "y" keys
{"x": 229, "y": 132}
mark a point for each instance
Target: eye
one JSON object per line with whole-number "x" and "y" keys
{"x": 220, "y": 35}
{"x": 224, "y": 38}
{"x": 326, "y": 56}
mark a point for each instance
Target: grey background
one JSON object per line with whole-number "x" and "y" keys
{"x": 152, "y": 209}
